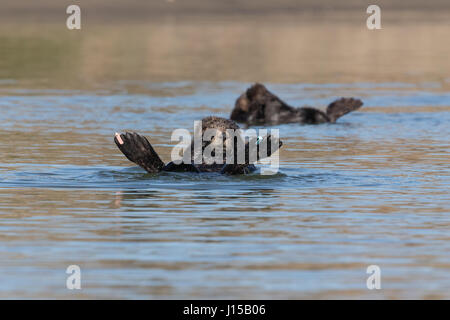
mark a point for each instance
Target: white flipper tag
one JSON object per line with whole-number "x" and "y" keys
{"x": 119, "y": 138}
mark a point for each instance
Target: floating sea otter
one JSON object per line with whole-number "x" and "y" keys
{"x": 138, "y": 150}
{"x": 259, "y": 106}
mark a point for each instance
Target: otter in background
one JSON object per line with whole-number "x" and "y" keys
{"x": 138, "y": 149}
{"x": 258, "y": 106}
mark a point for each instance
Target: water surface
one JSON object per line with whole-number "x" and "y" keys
{"x": 370, "y": 189}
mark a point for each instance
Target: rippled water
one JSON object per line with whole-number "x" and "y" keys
{"x": 370, "y": 189}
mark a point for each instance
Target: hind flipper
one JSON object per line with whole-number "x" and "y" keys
{"x": 137, "y": 149}
{"x": 341, "y": 107}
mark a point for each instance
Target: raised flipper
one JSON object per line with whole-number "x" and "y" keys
{"x": 341, "y": 107}
{"x": 266, "y": 146}
{"x": 263, "y": 150}
{"x": 138, "y": 150}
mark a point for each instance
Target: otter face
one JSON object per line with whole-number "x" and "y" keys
{"x": 218, "y": 142}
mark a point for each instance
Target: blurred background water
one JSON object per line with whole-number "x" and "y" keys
{"x": 370, "y": 189}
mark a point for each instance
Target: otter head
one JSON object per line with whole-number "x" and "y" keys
{"x": 249, "y": 107}
{"x": 241, "y": 109}
{"x": 218, "y": 133}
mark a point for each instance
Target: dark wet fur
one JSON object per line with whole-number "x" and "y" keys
{"x": 138, "y": 149}
{"x": 259, "y": 106}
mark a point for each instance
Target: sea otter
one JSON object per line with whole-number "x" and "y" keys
{"x": 259, "y": 106}
{"x": 139, "y": 150}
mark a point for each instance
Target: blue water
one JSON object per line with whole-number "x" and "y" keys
{"x": 370, "y": 189}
